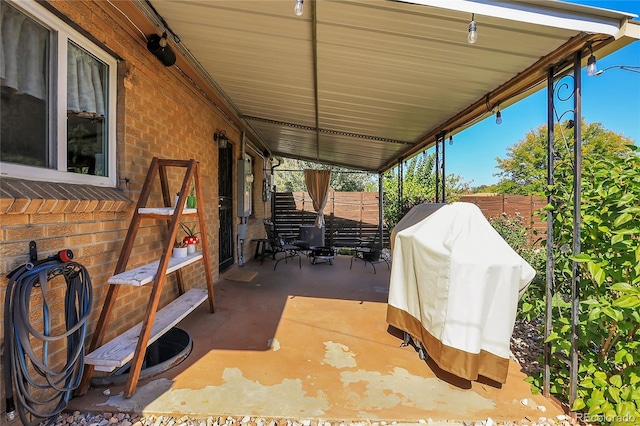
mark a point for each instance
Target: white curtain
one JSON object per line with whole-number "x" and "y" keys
{"x": 318, "y": 187}
{"x": 85, "y": 93}
{"x": 24, "y": 64}
{"x": 23, "y": 53}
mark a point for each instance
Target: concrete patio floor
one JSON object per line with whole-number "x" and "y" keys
{"x": 312, "y": 343}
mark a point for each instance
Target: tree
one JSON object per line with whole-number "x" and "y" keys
{"x": 524, "y": 170}
{"x": 485, "y": 189}
{"x": 289, "y": 177}
{"x": 418, "y": 186}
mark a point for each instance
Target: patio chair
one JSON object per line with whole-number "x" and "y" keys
{"x": 370, "y": 252}
{"x": 280, "y": 245}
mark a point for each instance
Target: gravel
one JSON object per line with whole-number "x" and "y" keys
{"x": 123, "y": 419}
{"x": 526, "y": 347}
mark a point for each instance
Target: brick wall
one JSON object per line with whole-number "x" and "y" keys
{"x": 159, "y": 113}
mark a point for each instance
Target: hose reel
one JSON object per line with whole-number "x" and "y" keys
{"x": 36, "y": 382}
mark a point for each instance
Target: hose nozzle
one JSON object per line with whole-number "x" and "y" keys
{"x": 65, "y": 255}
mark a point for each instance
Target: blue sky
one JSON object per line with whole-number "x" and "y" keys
{"x": 612, "y": 99}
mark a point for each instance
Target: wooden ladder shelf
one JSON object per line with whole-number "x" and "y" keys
{"x": 132, "y": 344}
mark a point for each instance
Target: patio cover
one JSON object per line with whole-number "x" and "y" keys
{"x": 363, "y": 84}
{"x": 455, "y": 286}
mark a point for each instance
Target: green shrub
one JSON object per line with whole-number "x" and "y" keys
{"x": 516, "y": 234}
{"x": 609, "y": 290}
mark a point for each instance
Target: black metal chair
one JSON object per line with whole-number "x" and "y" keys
{"x": 370, "y": 253}
{"x": 281, "y": 245}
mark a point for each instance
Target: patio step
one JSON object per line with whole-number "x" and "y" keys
{"x": 119, "y": 351}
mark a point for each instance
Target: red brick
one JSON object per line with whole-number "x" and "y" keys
{"x": 71, "y": 206}
{"x": 47, "y": 206}
{"x": 78, "y": 217}
{"x": 81, "y": 240}
{"x": 44, "y": 219}
{"x": 89, "y": 228}
{"x": 104, "y": 205}
{"x": 51, "y": 245}
{"x": 13, "y": 220}
{"x": 13, "y": 249}
{"x": 60, "y": 230}
{"x": 5, "y": 204}
{"x": 24, "y": 233}
{"x": 19, "y": 206}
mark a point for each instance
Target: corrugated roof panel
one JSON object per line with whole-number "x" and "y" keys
{"x": 252, "y": 53}
{"x": 387, "y": 70}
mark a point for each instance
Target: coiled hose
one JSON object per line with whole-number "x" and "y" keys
{"x": 39, "y": 389}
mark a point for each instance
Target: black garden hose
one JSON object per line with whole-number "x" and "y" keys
{"x": 30, "y": 380}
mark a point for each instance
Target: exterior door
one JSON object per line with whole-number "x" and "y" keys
{"x": 225, "y": 206}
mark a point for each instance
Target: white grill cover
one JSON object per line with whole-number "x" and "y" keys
{"x": 455, "y": 285}
{"x": 413, "y": 216}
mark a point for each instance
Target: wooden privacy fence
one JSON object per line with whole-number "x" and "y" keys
{"x": 525, "y": 206}
{"x": 349, "y": 216}
{"x": 353, "y": 216}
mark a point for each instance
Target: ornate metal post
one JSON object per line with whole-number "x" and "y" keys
{"x": 380, "y": 208}
{"x": 400, "y": 182}
{"x": 440, "y": 170}
{"x": 576, "y": 125}
{"x": 550, "y": 260}
{"x": 577, "y": 224}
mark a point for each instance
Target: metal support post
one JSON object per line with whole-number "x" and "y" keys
{"x": 380, "y": 209}
{"x": 400, "y": 182}
{"x": 548, "y": 323}
{"x": 577, "y": 223}
{"x": 440, "y": 174}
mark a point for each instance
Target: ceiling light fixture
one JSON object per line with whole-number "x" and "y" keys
{"x": 592, "y": 69}
{"x": 298, "y": 8}
{"x": 498, "y": 116}
{"x": 472, "y": 37}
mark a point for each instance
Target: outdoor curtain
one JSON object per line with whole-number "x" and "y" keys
{"x": 318, "y": 187}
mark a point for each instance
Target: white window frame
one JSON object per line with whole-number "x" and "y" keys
{"x": 61, "y": 33}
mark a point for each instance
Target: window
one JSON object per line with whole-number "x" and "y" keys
{"x": 58, "y": 100}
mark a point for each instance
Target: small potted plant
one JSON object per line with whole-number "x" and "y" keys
{"x": 191, "y": 198}
{"x": 179, "y": 249}
{"x": 191, "y": 239}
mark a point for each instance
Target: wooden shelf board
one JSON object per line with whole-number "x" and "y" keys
{"x": 147, "y": 273}
{"x": 164, "y": 212}
{"x": 120, "y": 350}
